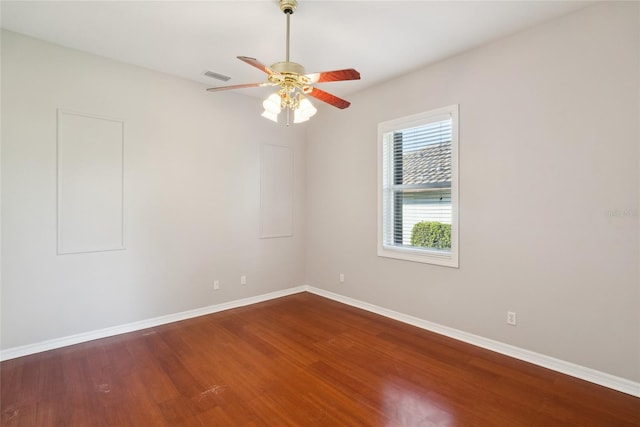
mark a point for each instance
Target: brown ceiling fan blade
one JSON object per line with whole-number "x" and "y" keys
{"x": 244, "y": 86}
{"x": 254, "y": 62}
{"x": 329, "y": 98}
{"x": 334, "y": 76}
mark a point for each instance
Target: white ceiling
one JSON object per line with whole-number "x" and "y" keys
{"x": 381, "y": 39}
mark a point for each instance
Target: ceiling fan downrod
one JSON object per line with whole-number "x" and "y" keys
{"x": 288, "y": 7}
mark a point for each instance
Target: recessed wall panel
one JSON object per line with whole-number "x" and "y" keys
{"x": 276, "y": 192}
{"x": 90, "y": 183}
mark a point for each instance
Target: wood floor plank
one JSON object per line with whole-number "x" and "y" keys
{"x": 300, "y": 360}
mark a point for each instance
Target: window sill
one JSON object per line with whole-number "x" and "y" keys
{"x": 417, "y": 255}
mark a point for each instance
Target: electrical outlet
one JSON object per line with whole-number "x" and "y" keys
{"x": 341, "y": 278}
{"x": 511, "y": 318}
{"x": 216, "y": 285}
{"x": 243, "y": 280}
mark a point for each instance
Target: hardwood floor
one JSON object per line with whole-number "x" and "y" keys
{"x": 301, "y": 360}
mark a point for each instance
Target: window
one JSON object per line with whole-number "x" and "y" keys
{"x": 418, "y": 187}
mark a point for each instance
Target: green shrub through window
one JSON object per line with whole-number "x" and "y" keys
{"x": 431, "y": 234}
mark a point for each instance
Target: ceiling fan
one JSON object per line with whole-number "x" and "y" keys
{"x": 294, "y": 82}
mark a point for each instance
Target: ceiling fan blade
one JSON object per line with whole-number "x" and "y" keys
{"x": 244, "y": 86}
{"x": 329, "y": 98}
{"x": 334, "y": 76}
{"x": 254, "y": 62}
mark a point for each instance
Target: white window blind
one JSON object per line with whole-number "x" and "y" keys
{"x": 418, "y": 187}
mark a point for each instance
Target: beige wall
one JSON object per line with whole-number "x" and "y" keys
{"x": 192, "y": 191}
{"x": 549, "y": 147}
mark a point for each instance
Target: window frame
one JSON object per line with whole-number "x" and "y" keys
{"x": 414, "y": 254}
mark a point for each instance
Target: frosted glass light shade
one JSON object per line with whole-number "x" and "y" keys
{"x": 304, "y": 111}
{"x": 272, "y": 103}
{"x": 307, "y": 108}
{"x": 271, "y": 116}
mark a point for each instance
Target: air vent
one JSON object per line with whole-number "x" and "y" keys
{"x": 216, "y": 76}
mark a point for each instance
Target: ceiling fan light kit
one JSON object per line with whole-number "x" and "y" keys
{"x": 294, "y": 83}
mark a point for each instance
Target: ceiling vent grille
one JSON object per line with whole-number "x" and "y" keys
{"x": 216, "y": 76}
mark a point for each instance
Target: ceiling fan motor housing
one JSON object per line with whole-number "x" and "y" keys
{"x": 290, "y": 75}
{"x": 288, "y": 67}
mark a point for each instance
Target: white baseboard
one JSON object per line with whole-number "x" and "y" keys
{"x": 26, "y": 350}
{"x": 587, "y": 374}
{"x": 597, "y": 377}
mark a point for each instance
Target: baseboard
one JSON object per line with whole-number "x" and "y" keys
{"x": 52, "y": 344}
{"x": 597, "y": 377}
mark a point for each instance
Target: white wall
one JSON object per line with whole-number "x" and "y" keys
{"x": 549, "y": 147}
{"x": 192, "y": 196}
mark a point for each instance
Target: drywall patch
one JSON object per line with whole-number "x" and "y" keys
{"x": 276, "y": 192}
{"x": 90, "y": 183}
